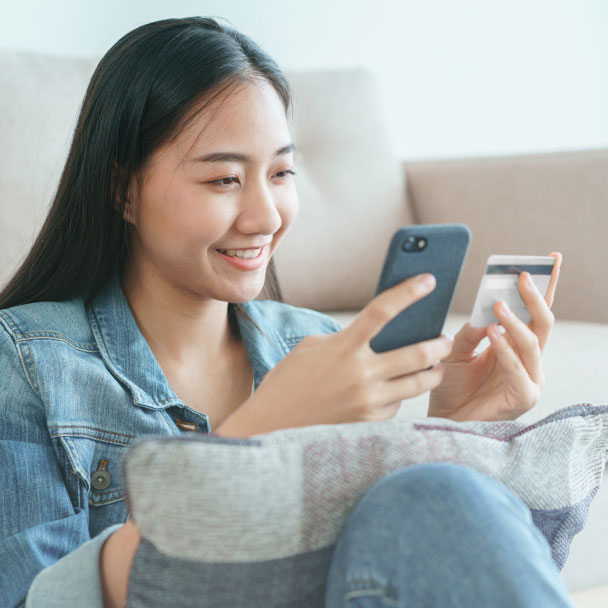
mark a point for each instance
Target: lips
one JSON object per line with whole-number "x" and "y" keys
{"x": 243, "y": 248}
{"x": 245, "y": 264}
{"x": 247, "y": 247}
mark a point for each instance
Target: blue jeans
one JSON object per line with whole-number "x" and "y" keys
{"x": 442, "y": 535}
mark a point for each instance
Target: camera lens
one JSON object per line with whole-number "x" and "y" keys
{"x": 414, "y": 243}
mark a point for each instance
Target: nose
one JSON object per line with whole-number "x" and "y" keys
{"x": 259, "y": 210}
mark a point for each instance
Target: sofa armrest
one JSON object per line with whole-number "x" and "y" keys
{"x": 530, "y": 205}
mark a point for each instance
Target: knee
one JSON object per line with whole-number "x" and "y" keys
{"x": 441, "y": 489}
{"x": 433, "y": 527}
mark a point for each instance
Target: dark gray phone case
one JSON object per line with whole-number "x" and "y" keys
{"x": 446, "y": 249}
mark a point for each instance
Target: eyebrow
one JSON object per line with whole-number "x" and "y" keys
{"x": 239, "y": 158}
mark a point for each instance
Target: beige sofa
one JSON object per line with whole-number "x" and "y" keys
{"x": 354, "y": 193}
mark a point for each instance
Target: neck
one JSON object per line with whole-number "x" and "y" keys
{"x": 180, "y": 328}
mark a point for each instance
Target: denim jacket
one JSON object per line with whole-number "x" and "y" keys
{"x": 77, "y": 384}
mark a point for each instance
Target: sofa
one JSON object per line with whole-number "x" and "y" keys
{"x": 354, "y": 193}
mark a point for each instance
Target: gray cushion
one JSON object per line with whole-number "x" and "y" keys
{"x": 574, "y": 363}
{"x": 252, "y": 522}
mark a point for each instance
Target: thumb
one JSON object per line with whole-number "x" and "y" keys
{"x": 466, "y": 341}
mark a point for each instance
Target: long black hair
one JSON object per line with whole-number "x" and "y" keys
{"x": 144, "y": 91}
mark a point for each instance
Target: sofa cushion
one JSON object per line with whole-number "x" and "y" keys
{"x": 246, "y": 522}
{"x": 351, "y": 188}
{"x": 579, "y": 378}
{"x": 595, "y": 597}
{"x": 39, "y": 101}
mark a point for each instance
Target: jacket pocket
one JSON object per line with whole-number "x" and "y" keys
{"x": 93, "y": 465}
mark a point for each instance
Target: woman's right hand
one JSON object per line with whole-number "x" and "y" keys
{"x": 337, "y": 378}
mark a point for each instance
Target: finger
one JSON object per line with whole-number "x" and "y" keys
{"x": 412, "y": 358}
{"x": 413, "y": 385}
{"x": 541, "y": 317}
{"x": 554, "y": 278}
{"x": 525, "y": 340}
{"x": 466, "y": 341}
{"x": 385, "y": 306}
{"x": 515, "y": 372}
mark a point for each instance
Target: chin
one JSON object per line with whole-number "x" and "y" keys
{"x": 244, "y": 295}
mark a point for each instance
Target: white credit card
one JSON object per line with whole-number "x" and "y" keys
{"x": 500, "y": 283}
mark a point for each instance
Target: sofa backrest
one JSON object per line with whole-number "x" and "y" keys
{"x": 530, "y": 205}
{"x": 352, "y": 190}
{"x": 351, "y": 187}
{"x": 39, "y": 102}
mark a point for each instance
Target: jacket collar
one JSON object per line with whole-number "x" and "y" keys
{"x": 127, "y": 355}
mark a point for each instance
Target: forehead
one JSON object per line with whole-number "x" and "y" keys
{"x": 248, "y": 116}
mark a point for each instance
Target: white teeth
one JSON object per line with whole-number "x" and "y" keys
{"x": 244, "y": 254}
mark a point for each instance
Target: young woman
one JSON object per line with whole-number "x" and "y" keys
{"x": 135, "y": 313}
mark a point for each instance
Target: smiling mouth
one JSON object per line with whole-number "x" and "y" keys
{"x": 253, "y": 253}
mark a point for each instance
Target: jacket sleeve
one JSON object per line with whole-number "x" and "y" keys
{"x": 334, "y": 326}
{"x": 39, "y": 524}
{"x": 72, "y": 581}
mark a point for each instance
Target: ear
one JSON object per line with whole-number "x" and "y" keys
{"x": 128, "y": 213}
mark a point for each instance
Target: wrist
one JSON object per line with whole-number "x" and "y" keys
{"x": 115, "y": 561}
{"x": 434, "y": 415}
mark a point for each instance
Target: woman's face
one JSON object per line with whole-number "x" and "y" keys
{"x": 187, "y": 208}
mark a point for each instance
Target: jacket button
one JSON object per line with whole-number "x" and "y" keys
{"x": 185, "y": 425}
{"x": 101, "y": 478}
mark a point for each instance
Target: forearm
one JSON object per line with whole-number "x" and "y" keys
{"x": 115, "y": 561}
{"x": 247, "y": 421}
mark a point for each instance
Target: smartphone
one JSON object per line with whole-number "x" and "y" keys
{"x": 438, "y": 249}
{"x": 500, "y": 280}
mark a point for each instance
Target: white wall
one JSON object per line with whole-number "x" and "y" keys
{"x": 467, "y": 78}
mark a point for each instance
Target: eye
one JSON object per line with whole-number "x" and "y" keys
{"x": 220, "y": 183}
{"x": 224, "y": 183}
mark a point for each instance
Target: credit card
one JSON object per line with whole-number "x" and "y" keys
{"x": 500, "y": 283}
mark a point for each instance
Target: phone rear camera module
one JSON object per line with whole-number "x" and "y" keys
{"x": 414, "y": 243}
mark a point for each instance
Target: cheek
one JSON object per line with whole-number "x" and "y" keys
{"x": 180, "y": 225}
{"x": 288, "y": 208}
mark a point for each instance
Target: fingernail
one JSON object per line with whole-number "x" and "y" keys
{"x": 528, "y": 279}
{"x": 427, "y": 280}
{"x": 504, "y": 308}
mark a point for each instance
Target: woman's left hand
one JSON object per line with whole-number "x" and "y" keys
{"x": 504, "y": 381}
